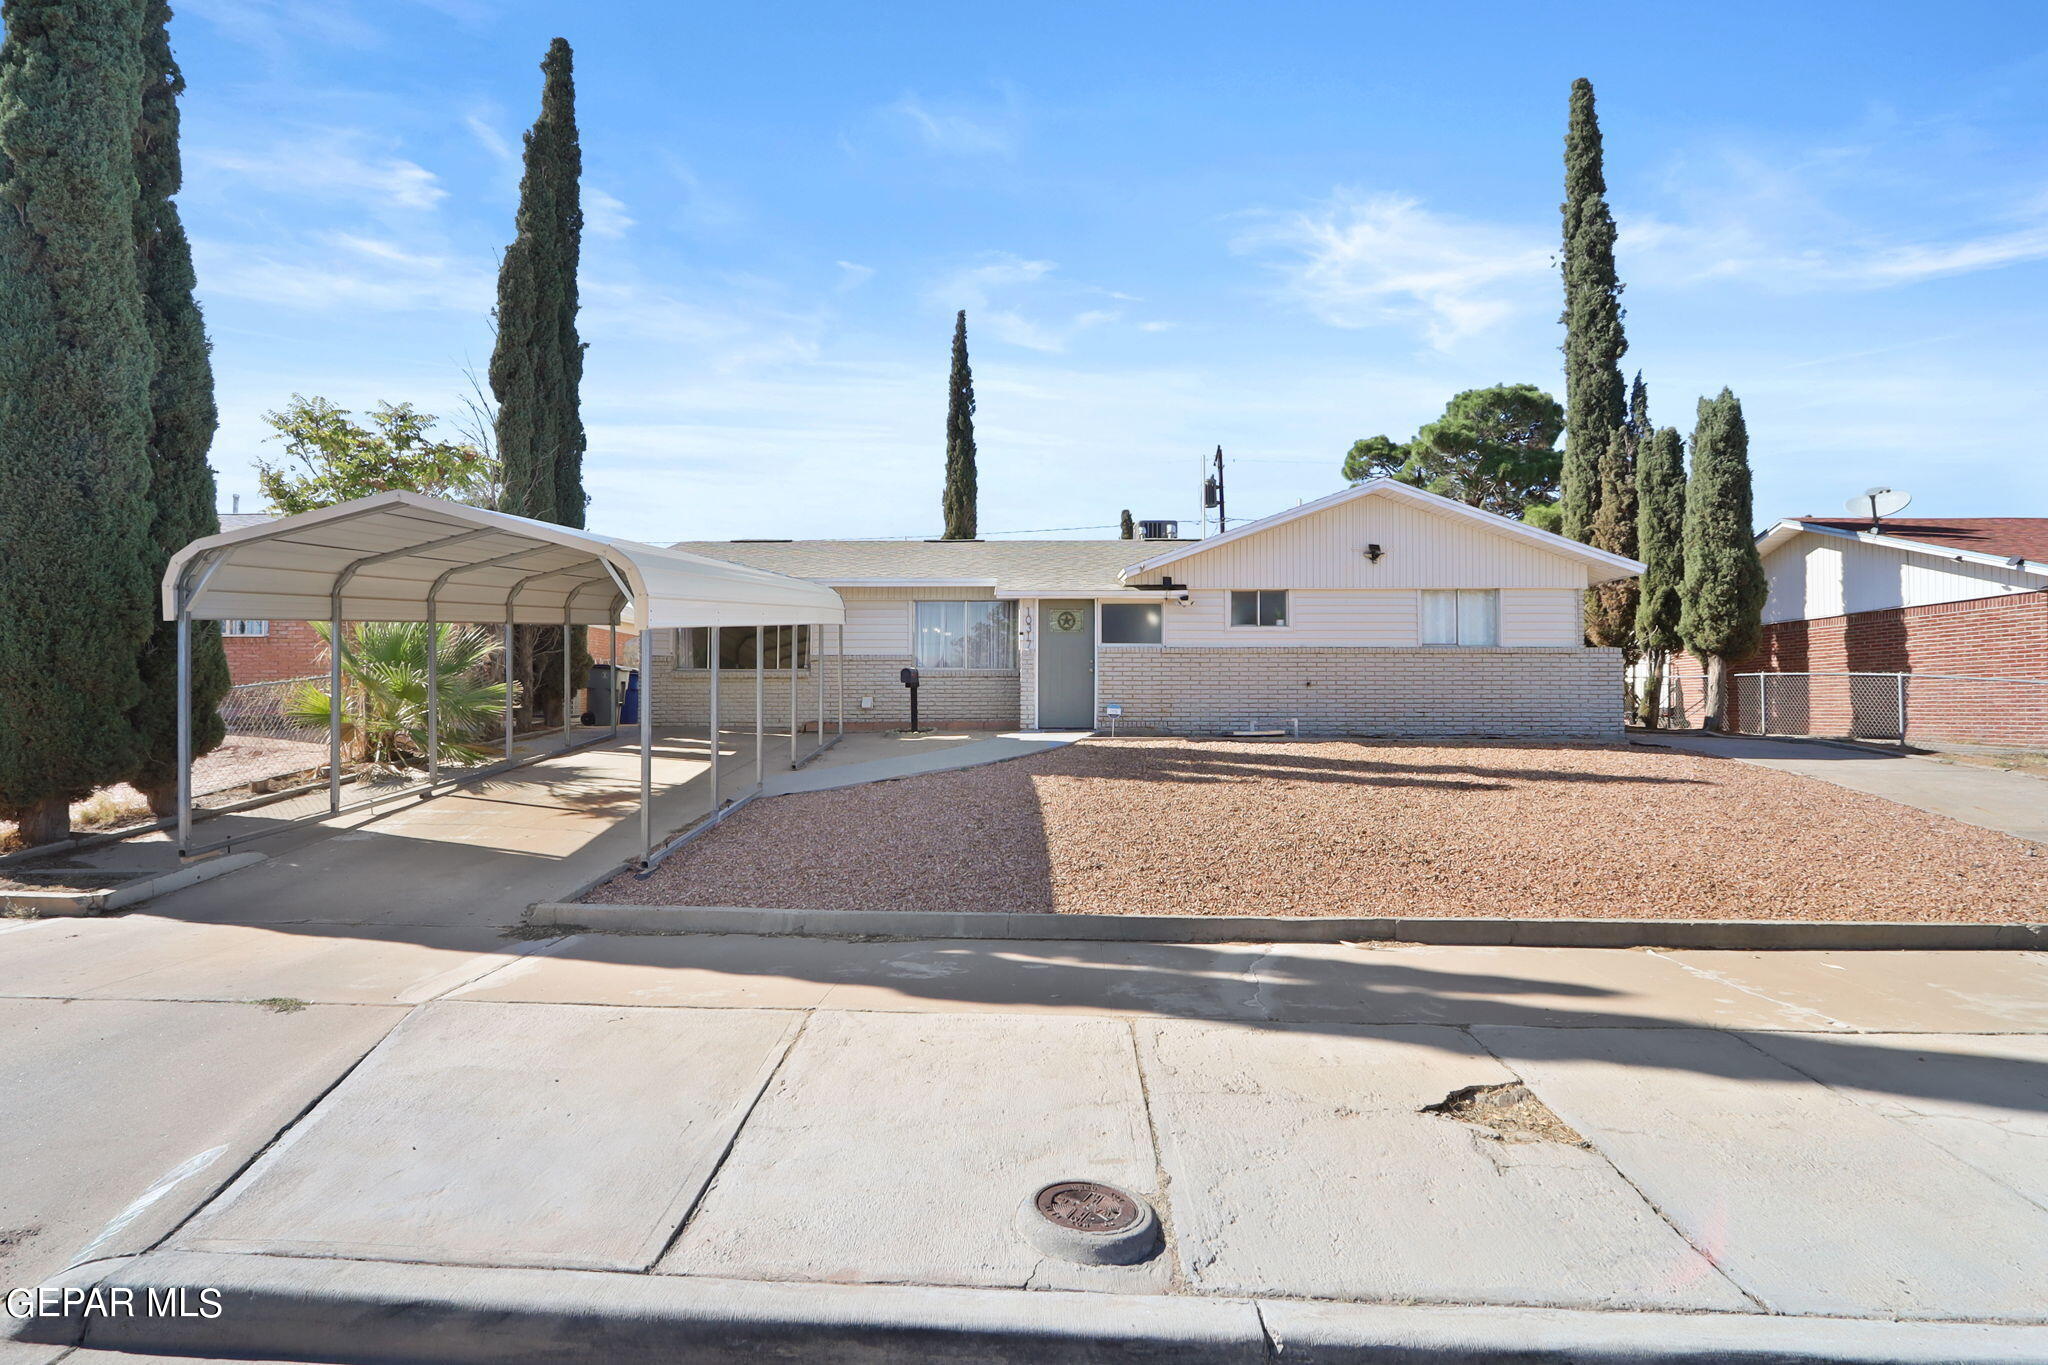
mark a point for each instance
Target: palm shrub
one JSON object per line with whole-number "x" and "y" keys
{"x": 384, "y": 693}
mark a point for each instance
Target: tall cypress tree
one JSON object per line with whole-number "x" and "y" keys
{"x": 1127, "y": 529}
{"x": 537, "y": 366}
{"x": 961, "y": 496}
{"x": 76, "y": 599}
{"x": 1660, "y": 541}
{"x": 182, "y": 420}
{"x": 1722, "y": 600}
{"x": 1594, "y": 344}
{"x": 1611, "y": 607}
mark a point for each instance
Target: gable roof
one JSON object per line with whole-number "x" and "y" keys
{"x": 1004, "y": 565}
{"x": 1991, "y": 541}
{"x": 1603, "y": 567}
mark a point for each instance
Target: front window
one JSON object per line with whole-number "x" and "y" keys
{"x": 736, "y": 647}
{"x": 1132, "y": 623}
{"x": 969, "y": 635}
{"x": 1464, "y": 617}
{"x": 1265, "y": 607}
{"x": 245, "y": 627}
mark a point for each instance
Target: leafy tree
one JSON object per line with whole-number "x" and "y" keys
{"x": 1722, "y": 600}
{"x": 1660, "y": 540}
{"x": 961, "y": 495}
{"x": 1129, "y": 529}
{"x": 1493, "y": 448}
{"x": 1611, "y": 607}
{"x": 1544, "y": 516}
{"x": 384, "y": 711}
{"x": 77, "y": 602}
{"x": 183, "y": 421}
{"x": 537, "y": 366}
{"x": 334, "y": 459}
{"x": 1594, "y": 343}
{"x": 1374, "y": 457}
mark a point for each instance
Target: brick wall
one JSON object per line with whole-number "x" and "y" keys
{"x": 1548, "y": 693}
{"x": 1986, "y": 637}
{"x": 291, "y": 650}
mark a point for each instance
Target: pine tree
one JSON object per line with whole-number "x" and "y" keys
{"x": 1611, "y": 607}
{"x": 1594, "y": 344}
{"x": 1660, "y": 542}
{"x": 1128, "y": 528}
{"x": 1721, "y": 603}
{"x": 961, "y": 495}
{"x": 183, "y": 421}
{"x": 537, "y": 366}
{"x": 76, "y": 599}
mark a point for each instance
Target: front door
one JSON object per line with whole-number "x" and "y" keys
{"x": 1066, "y": 665}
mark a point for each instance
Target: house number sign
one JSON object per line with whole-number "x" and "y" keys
{"x": 1066, "y": 620}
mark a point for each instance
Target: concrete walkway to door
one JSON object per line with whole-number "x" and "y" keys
{"x": 1990, "y": 798}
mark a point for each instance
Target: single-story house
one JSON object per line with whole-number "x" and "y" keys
{"x": 1955, "y": 603}
{"x": 1379, "y": 610}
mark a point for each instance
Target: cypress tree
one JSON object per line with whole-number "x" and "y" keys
{"x": 76, "y": 599}
{"x": 1594, "y": 344}
{"x": 961, "y": 496}
{"x": 537, "y": 366}
{"x": 182, "y": 420}
{"x": 1722, "y": 600}
{"x": 1660, "y": 540}
{"x": 1611, "y": 607}
{"x": 1129, "y": 528}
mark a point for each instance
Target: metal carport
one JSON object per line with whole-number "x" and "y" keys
{"x": 403, "y": 556}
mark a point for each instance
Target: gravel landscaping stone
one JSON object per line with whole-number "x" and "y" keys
{"x": 1149, "y": 826}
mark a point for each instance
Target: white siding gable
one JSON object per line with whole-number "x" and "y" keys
{"x": 1814, "y": 575}
{"x": 1422, "y": 549}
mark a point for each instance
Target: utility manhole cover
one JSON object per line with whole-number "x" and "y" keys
{"x": 1086, "y": 1206}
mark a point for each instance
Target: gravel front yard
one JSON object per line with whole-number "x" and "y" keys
{"x": 1133, "y": 826}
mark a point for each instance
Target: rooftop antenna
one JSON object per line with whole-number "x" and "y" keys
{"x": 1879, "y": 503}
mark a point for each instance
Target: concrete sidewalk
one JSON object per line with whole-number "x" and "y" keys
{"x": 730, "y": 1148}
{"x": 2014, "y": 803}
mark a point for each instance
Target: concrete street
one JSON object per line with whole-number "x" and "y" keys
{"x": 1800, "y": 1140}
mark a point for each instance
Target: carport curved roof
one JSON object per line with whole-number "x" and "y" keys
{"x": 386, "y": 553}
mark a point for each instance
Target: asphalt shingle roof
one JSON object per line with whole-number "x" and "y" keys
{"x": 1077, "y": 564}
{"x": 2007, "y": 537}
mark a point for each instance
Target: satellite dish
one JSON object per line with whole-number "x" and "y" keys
{"x": 1878, "y": 503}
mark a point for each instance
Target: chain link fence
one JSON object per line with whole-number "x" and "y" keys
{"x": 1953, "y": 708}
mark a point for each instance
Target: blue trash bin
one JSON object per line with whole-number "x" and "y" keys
{"x": 629, "y": 709}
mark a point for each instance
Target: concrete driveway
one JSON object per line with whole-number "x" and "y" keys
{"x": 2014, "y": 803}
{"x": 594, "y": 1147}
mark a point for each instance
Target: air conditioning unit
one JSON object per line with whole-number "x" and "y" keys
{"x": 1159, "y": 530}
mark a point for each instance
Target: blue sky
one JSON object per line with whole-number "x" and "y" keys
{"x": 1279, "y": 227}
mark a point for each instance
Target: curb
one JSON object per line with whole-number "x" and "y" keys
{"x": 1525, "y": 933}
{"x": 289, "y": 1308}
{"x": 59, "y": 904}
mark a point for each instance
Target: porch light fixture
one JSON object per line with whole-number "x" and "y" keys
{"x": 1373, "y": 552}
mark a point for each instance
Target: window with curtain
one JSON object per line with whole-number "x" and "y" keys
{"x": 980, "y": 636}
{"x": 1132, "y": 623}
{"x": 245, "y": 627}
{"x": 1266, "y": 607}
{"x": 1462, "y": 617}
{"x": 736, "y": 647}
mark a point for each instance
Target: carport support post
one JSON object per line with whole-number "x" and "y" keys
{"x": 568, "y": 708}
{"x": 792, "y": 690}
{"x": 839, "y": 680}
{"x": 646, "y": 745}
{"x": 760, "y": 705}
{"x": 713, "y": 661}
{"x": 614, "y": 684}
{"x": 184, "y": 726}
{"x": 334, "y": 706}
{"x": 433, "y": 694}
{"x": 818, "y": 676}
{"x": 508, "y": 686}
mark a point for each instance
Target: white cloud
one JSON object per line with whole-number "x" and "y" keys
{"x": 1156, "y": 326}
{"x": 853, "y": 275}
{"x": 989, "y": 289}
{"x": 954, "y": 132}
{"x": 1388, "y": 261}
{"x": 346, "y": 271}
{"x": 1660, "y": 251}
{"x": 330, "y": 164}
{"x": 486, "y": 133}
{"x": 604, "y": 215}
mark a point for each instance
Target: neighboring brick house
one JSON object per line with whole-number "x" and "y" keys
{"x": 267, "y": 651}
{"x": 1381, "y": 609}
{"x": 1959, "y": 604}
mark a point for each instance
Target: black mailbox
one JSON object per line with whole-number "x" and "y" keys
{"x": 909, "y": 676}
